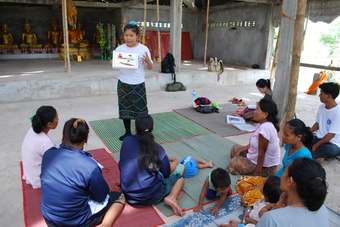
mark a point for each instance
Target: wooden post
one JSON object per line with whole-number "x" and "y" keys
{"x": 66, "y": 44}
{"x": 158, "y": 35}
{"x": 274, "y": 64}
{"x": 297, "y": 49}
{"x": 144, "y": 26}
{"x": 206, "y": 35}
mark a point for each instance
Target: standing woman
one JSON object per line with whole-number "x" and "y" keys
{"x": 304, "y": 181}
{"x": 262, "y": 155}
{"x": 264, "y": 87}
{"x": 74, "y": 191}
{"x": 131, "y": 82}
{"x": 36, "y": 142}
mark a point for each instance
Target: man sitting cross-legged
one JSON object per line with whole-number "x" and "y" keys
{"x": 327, "y": 139}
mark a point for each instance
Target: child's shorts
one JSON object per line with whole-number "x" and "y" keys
{"x": 179, "y": 170}
{"x": 190, "y": 165}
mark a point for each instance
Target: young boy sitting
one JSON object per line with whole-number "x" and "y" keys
{"x": 216, "y": 184}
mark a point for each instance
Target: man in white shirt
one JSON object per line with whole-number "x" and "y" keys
{"x": 327, "y": 139}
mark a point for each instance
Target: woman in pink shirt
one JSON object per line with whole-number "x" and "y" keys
{"x": 36, "y": 142}
{"x": 262, "y": 155}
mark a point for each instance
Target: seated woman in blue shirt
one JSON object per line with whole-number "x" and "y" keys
{"x": 299, "y": 141}
{"x": 145, "y": 169}
{"x": 74, "y": 191}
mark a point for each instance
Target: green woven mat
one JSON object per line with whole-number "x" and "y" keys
{"x": 169, "y": 126}
{"x": 206, "y": 147}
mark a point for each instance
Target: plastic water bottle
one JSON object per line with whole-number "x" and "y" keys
{"x": 193, "y": 95}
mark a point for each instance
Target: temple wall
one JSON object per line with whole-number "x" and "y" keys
{"x": 239, "y": 44}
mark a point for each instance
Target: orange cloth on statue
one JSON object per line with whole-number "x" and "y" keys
{"x": 75, "y": 35}
{"x": 245, "y": 186}
{"x": 316, "y": 83}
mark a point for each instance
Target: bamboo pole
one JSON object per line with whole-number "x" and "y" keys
{"x": 206, "y": 35}
{"x": 144, "y": 26}
{"x": 297, "y": 49}
{"x": 158, "y": 34}
{"x": 66, "y": 43}
{"x": 274, "y": 63}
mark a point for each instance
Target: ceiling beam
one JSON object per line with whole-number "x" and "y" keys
{"x": 134, "y": 2}
{"x": 38, "y": 2}
{"x": 261, "y": 1}
{"x": 96, "y": 4}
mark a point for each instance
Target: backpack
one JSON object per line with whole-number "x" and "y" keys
{"x": 167, "y": 65}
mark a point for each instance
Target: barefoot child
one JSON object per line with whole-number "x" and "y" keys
{"x": 216, "y": 184}
{"x": 188, "y": 167}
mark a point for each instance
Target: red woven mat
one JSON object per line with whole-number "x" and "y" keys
{"x": 146, "y": 215}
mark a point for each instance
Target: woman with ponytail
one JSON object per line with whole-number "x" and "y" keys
{"x": 36, "y": 142}
{"x": 74, "y": 191}
{"x": 299, "y": 141}
{"x": 264, "y": 87}
{"x": 304, "y": 181}
{"x": 145, "y": 169}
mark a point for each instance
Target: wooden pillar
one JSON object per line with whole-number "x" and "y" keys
{"x": 268, "y": 38}
{"x": 284, "y": 58}
{"x": 206, "y": 34}
{"x": 297, "y": 49}
{"x": 176, "y": 31}
{"x": 158, "y": 34}
{"x": 66, "y": 43}
{"x": 145, "y": 5}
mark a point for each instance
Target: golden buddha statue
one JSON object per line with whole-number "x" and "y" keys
{"x": 79, "y": 26}
{"x": 29, "y": 39}
{"x": 84, "y": 42}
{"x": 6, "y": 38}
{"x": 54, "y": 36}
{"x": 75, "y": 35}
{"x": 96, "y": 38}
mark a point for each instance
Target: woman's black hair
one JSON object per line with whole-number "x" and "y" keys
{"x": 149, "y": 159}
{"x": 133, "y": 27}
{"x": 270, "y": 107}
{"x": 299, "y": 128}
{"x": 75, "y": 131}
{"x": 44, "y": 115}
{"x": 271, "y": 189}
{"x": 220, "y": 178}
{"x": 310, "y": 179}
{"x": 261, "y": 83}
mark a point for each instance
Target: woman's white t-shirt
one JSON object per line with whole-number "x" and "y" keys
{"x": 33, "y": 149}
{"x": 134, "y": 76}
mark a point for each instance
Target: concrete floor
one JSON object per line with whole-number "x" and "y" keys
{"x": 14, "y": 121}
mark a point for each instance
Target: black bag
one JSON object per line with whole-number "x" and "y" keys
{"x": 167, "y": 65}
{"x": 206, "y": 109}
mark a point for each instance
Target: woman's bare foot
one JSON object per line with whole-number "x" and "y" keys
{"x": 170, "y": 201}
{"x": 180, "y": 195}
{"x": 210, "y": 164}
